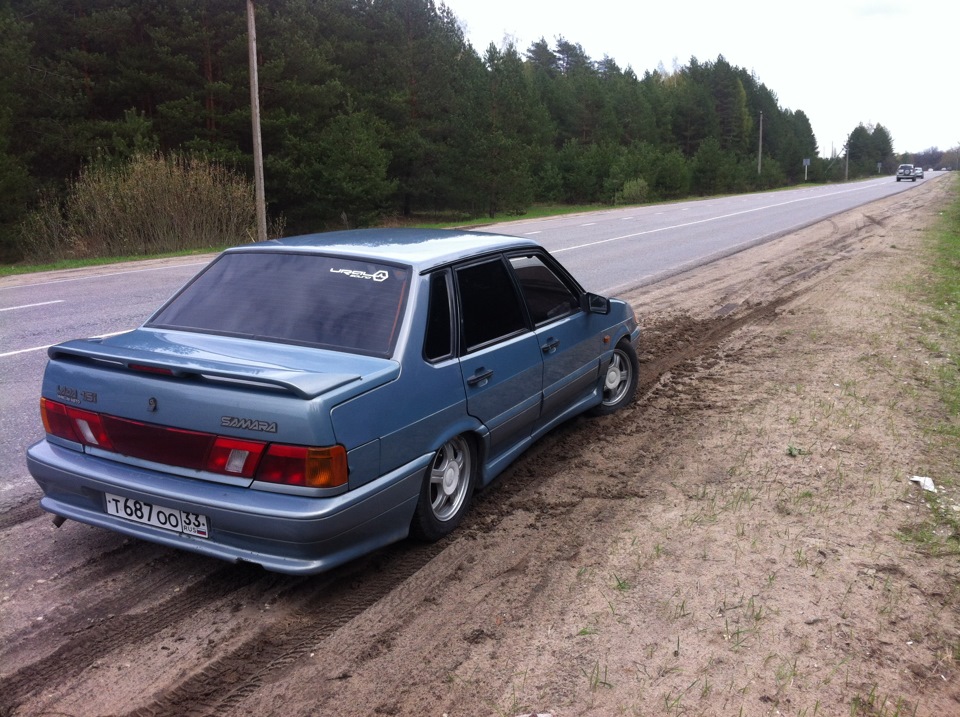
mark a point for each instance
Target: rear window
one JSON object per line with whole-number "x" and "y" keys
{"x": 324, "y": 301}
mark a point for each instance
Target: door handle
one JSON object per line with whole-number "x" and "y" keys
{"x": 480, "y": 377}
{"x": 550, "y": 346}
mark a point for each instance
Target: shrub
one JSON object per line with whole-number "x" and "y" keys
{"x": 635, "y": 191}
{"x": 149, "y": 205}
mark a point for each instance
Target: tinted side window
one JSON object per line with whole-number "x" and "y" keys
{"x": 439, "y": 339}
{"x": 490, "y": 308}
{"x": 547, "y": 297}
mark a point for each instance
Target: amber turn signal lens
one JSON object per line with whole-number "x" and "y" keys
{"x": 326, "y": 467}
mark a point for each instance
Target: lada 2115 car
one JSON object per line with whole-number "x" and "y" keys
{"x": 304, "y": 401}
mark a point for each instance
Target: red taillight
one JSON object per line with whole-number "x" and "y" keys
{"x": 55, "y": 420}
{"x": 74, "y": 424}
{"x": 303, "y": 466}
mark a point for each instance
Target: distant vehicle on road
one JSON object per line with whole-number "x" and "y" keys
{"x": 905, "y": 171}
{"x": 918, "y": 172}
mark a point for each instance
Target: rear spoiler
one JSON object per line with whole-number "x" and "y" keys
{"x": 305, "y": 384}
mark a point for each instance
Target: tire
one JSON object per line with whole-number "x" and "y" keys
{"x": 619, "y": 380}
{"x": 446, "y": 491}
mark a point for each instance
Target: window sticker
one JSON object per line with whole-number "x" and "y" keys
{"x": 378, "y": 276}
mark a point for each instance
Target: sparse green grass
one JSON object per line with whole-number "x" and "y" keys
{"x": 943, "y": 297}
{"x": 597, "y": 676}
{"x": 874, "y": 704}
{"x": 939, "y": 533}
{"x": 785, "y": 671}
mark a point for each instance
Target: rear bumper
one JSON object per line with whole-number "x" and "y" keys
{"x": 283, "y": 533}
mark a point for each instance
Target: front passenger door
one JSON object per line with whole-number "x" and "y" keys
{"x": 569, "y": 343}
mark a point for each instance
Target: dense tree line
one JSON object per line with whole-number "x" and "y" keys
{"x": 378, "y": 108}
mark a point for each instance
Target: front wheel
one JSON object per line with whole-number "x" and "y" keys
{"x": 446, "y": 491}
{"x": 619, "y": 379}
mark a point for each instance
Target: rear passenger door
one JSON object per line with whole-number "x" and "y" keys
{"x": 500, "y": 357}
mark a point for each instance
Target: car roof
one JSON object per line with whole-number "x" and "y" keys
{"x": 422, "y": 249}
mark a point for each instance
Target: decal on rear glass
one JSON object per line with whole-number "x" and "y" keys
{"x": 378, "y": 276}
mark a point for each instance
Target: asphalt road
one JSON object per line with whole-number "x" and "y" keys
{"x": 609, "y": 251}
{"x": 616, "y": 250}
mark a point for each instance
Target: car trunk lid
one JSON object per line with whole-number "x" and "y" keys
{"x": 212, "y": 384}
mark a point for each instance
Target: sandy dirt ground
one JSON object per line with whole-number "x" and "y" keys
{"x": 744, "y": 540}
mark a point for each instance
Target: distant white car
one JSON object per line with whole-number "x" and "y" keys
{"x": 918, "y": 172}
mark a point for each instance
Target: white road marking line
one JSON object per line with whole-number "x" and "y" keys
{"x": 41, "y": 348}
{"x": 30, "y": 306}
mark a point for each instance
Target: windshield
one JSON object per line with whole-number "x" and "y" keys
{"x": 324, "y": 301}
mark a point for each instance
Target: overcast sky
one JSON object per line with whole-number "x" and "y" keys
{"x": 843, "y": 62}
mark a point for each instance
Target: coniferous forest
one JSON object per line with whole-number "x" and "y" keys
{"x": 378, "y": 110}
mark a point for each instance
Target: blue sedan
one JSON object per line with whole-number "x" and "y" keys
{"x": 306, "y": 400}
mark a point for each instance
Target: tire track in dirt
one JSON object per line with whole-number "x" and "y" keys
{"x": 23, "y": 513}
{"x": 126, "y": 578}
{"x": 312, "y": 610}
{"x": 84, "y": 645}
{"x": 670, "y": 350}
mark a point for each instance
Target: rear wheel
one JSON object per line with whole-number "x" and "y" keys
{"x": 619, "y": 380}
{"x": 446, "y": 491}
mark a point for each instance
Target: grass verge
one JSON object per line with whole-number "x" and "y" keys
{"x": 15, "y": 269}
{"x": 940, "y": 534}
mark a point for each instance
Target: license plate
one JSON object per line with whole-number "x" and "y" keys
{"x": 179, "y": 521}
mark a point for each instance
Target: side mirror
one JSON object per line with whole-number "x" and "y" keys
{"x": 597, "y": 304}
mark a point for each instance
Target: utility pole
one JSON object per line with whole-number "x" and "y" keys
{"x": 846, "y": 164}
{"x": 760, "y": 146}
{"x": 255, "y": 119}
